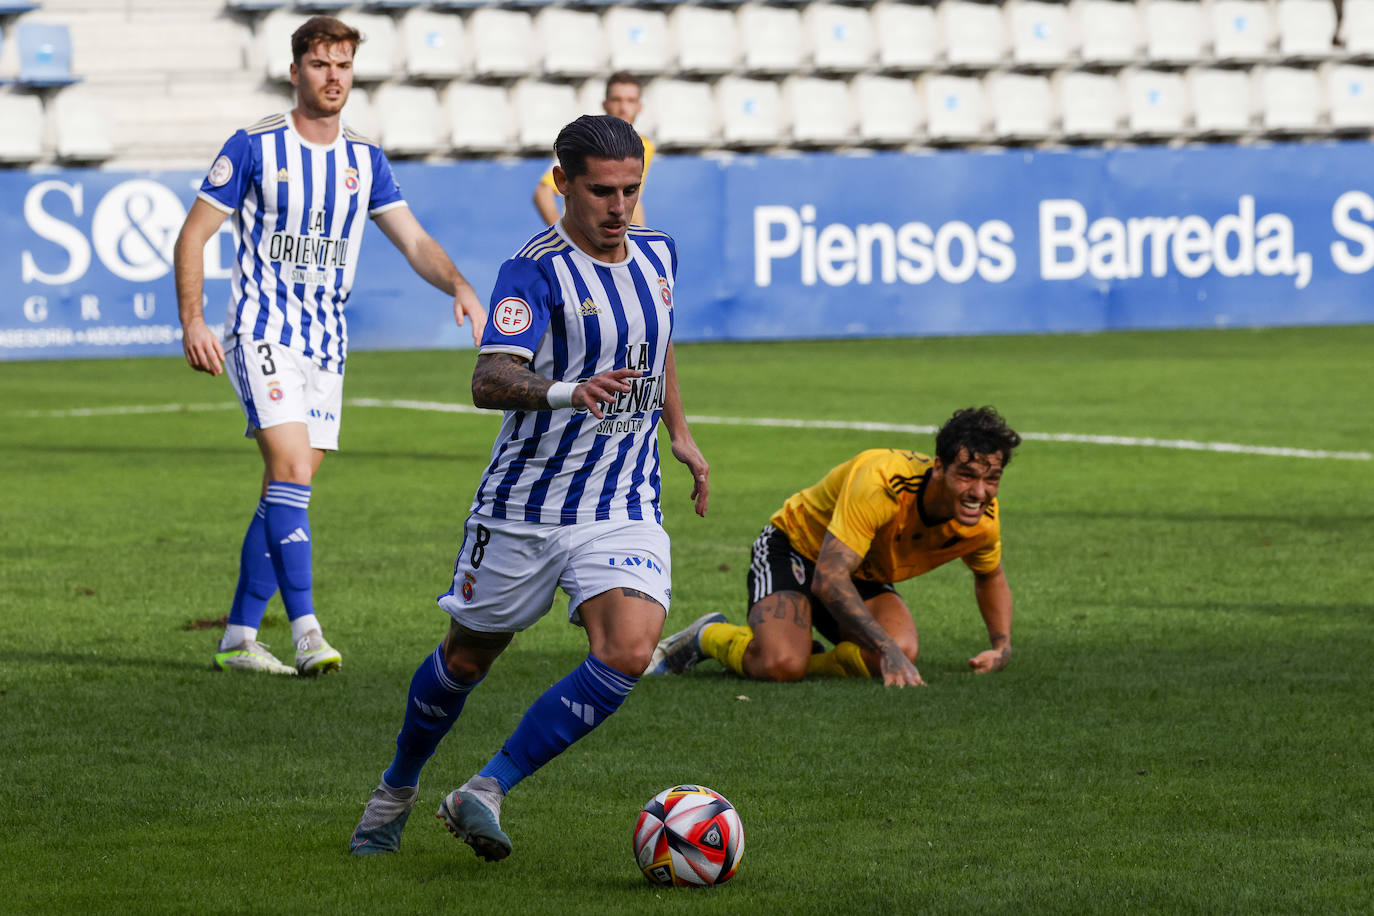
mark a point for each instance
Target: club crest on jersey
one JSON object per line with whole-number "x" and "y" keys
{"x": 469, "y": 580}
{"x": 665, "y": 292}
{"x": 798, "y": 570}
{"x": 351, "y": 180}
{"x": 220, "y": 172}
{"x": 512, "y": 315}
{"x": 283, "y": 176}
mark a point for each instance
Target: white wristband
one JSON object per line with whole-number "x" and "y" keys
{"x": 560, "y": 394}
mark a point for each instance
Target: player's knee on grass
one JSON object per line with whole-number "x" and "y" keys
{"x": 776, "y": 666}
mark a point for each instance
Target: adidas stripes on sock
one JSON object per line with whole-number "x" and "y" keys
{"x": 287, "y": 521}
{"x": 436, "y": 698}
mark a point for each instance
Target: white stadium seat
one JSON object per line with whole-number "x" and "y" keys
{"x": 955, "y": 109}
{"x": 479, "y": 117}
{"x": 1350, "y": 95}
{"x": 637, "y": 39}
{"x": 435, "y": 45}
{"x": 839, "y": 38}
{"x": 541, "y": 111}
{"x": 359, "y": 114}
{"x": 1175, "y": 31}
{"x": 820, "y": 111}
{"x": 81, "y": 122}
{"x": 1089, "y": 105}
{"x": 1022, "y": 106}
{"x": 1242, "y": 30}
{"x": 1156, "y": 103}
{"x": 1040, "y": 33}
{"x": 1109, "y": 31}
{"x": 22, "y": 139}
{"x": 410, "y": 121}
{"x": 1306, "y": 28}
{"x": 750, "y": 111}
{"x": 706, "y": 38}
{"x": 1357, "y": 27}
{"x": 888, "y": 109}
{"x": 687, "y": 118}
{"x": 771, "y": 38}
{"x": 905, "y": 35}
{"x": 274, "y": 42}
{"x": 1291, "y": 100}
{"x": 973, "y": 35}
{"x": 570, "y": 41}
{"x": 1221, "y": 101}
{"x": 379, "y": 56}
{"x": 501, "y": 42}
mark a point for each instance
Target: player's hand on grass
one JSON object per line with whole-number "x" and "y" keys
{"x": 204, "y": 353}
{"x": 467, "y": 305}
{"x": 688, "y": 453}
{"x": 990, "y": 660}
{"x": 897, "y": 669}
{"x": 602, "y": 389}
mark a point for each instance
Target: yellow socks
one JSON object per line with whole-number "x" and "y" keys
{"x": 726, "y": 643}
{"x": 845, "y": 660}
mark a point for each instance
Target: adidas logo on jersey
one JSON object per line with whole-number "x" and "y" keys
{"x": 296, "y": 537}
{"x": 585, "y": 713}
{"x": 283, "y": 175}
{"x": 588, "y": 307}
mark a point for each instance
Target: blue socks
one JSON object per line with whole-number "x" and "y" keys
{"x": 257, "y": 579}
{"x": 287, "y": 523}
{"x": 436, "y": 698}
{"x": 567, "y": 711}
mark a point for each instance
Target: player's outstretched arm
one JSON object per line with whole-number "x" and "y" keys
{"x": 504, "y": 381}
{"x": 431, "y": 262}
{"x": 834, "y": 585}
{"x": 684, "y": 446}
{"x": 204, "y": 352}
{"x": 994, "y": 603}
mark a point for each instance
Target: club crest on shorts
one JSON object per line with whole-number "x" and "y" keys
{"x": 469, "y": 580}
{"x": 798, "y": 570}
{"x": 274, "y": 391}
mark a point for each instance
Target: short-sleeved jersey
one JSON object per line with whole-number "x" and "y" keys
{"x": 573, "y": 317}
{"x": 872, "y": 505}
{"x": 648, "y": 158}
{"x": 299, "y": 210}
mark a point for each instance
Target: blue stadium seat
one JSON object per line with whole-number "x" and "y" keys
{"x": 45, "y": 54}
{"x": 321, "y": 6}
{"x": 14, "y": 7}
{"x": 253, "y": 6}
{"x": 393, "y": 4}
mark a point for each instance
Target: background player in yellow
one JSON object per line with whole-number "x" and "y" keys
{"x": 827, "y": 559}
{"x": 623, "y": 91}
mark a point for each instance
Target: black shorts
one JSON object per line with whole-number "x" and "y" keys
{"x": 775, "y": 566}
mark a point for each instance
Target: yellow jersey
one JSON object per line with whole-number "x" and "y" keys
{"x": 872, "y": 505}
{"x": 648, "y": 157}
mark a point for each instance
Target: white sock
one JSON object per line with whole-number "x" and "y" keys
{"x": 236, "y": 635}
{"x": 302, "y": 625}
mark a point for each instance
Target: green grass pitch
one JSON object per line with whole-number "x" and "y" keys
{"x": 1185, "y": 725}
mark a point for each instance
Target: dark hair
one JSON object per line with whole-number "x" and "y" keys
{"x": 623, "y": 77}
{"x": 595, "y": 137}
{"x": 325, "y": 29}
{"x": 981, "y": 430}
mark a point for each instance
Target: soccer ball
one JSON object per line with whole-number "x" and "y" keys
{"x": 688, "y": 836}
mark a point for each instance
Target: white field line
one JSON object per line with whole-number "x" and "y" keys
{"x": 857, "y": 425}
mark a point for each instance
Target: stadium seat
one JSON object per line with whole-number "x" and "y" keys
{"x": 905, "y": 35}
{"x": 120, "y": 50}
{"x": 1306, "y": 29}
{"x": 1156, "y": 103}
{"x": 1089, "y": 105}
{"x": 819, "y": 111}
{"x": 394, "y": 4}
{"x": 15, "y": 7}
{"x": 256, "y": 6}
{"x": 955, "y": 109}
{"x": 45, "y": 54}
{"x": 1350, "y": 96}
{"x": 1221, "y": 101}
{"x": 888, "y": 109}
{"x": 771, "y": 38}
{"x": 838, "y": 39}
{"x": 1040, "y": 33}
{"x": 706, "y": 39}
{"x": 1175, "y": 31}
{"x": 501, "y": 43}
{"x": 1357, "y": 27}
{"x": 410, "y": 121}
{"x": 359, "y": 113}
{"x": 686, "y": 113}
{"x": 81, "y": 125}
{"x": 1291, "y": 100}
{"x": 22, "y": 139}
{"x": 1109, "y": 31}
{"x": 435, "y": 45}
{"x": 541, "y": 111}
{"x": 570, "y": 42}
{"x": 479, "y": 117}
{"x": 637, "y": 39}
{"x": 322, "y": 6}
{"x": 274, "y": 42}
{"x": 1242, "y": 30}
{"x": 378, "y": 59}
{"x": 1022, "y": 106}
{"x": 973, "y": 35}
{"x": 459, "y": 4}
{"x": 750, "y": 111}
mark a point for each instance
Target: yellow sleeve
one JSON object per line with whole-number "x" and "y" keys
{"x": 862, "y": 506}
{"x": 988, "y": 557}
{"x": 648, "y": 158}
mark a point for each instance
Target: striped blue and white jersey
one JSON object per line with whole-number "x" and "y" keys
{"x": 299, "y": 210}
{"x": 573, "y": 316}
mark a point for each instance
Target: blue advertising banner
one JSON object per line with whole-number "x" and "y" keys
{"x": 776, "y": 247}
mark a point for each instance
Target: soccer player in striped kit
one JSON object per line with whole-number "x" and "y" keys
{"x": 579, "y": 355}
{"x": 300, "y": 187}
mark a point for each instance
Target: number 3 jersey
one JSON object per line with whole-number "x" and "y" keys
{"x": 573, "y": 317}
{"x": 299, "y": 210}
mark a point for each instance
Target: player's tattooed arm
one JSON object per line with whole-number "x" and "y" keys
{"x": 834, "y": 585}
{"x": 995, "y": 604}
{"x": 504, "y": 381}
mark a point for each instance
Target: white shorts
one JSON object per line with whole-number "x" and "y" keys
{"x": 507, "y": 570}
{"x": 277, "y": 385}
